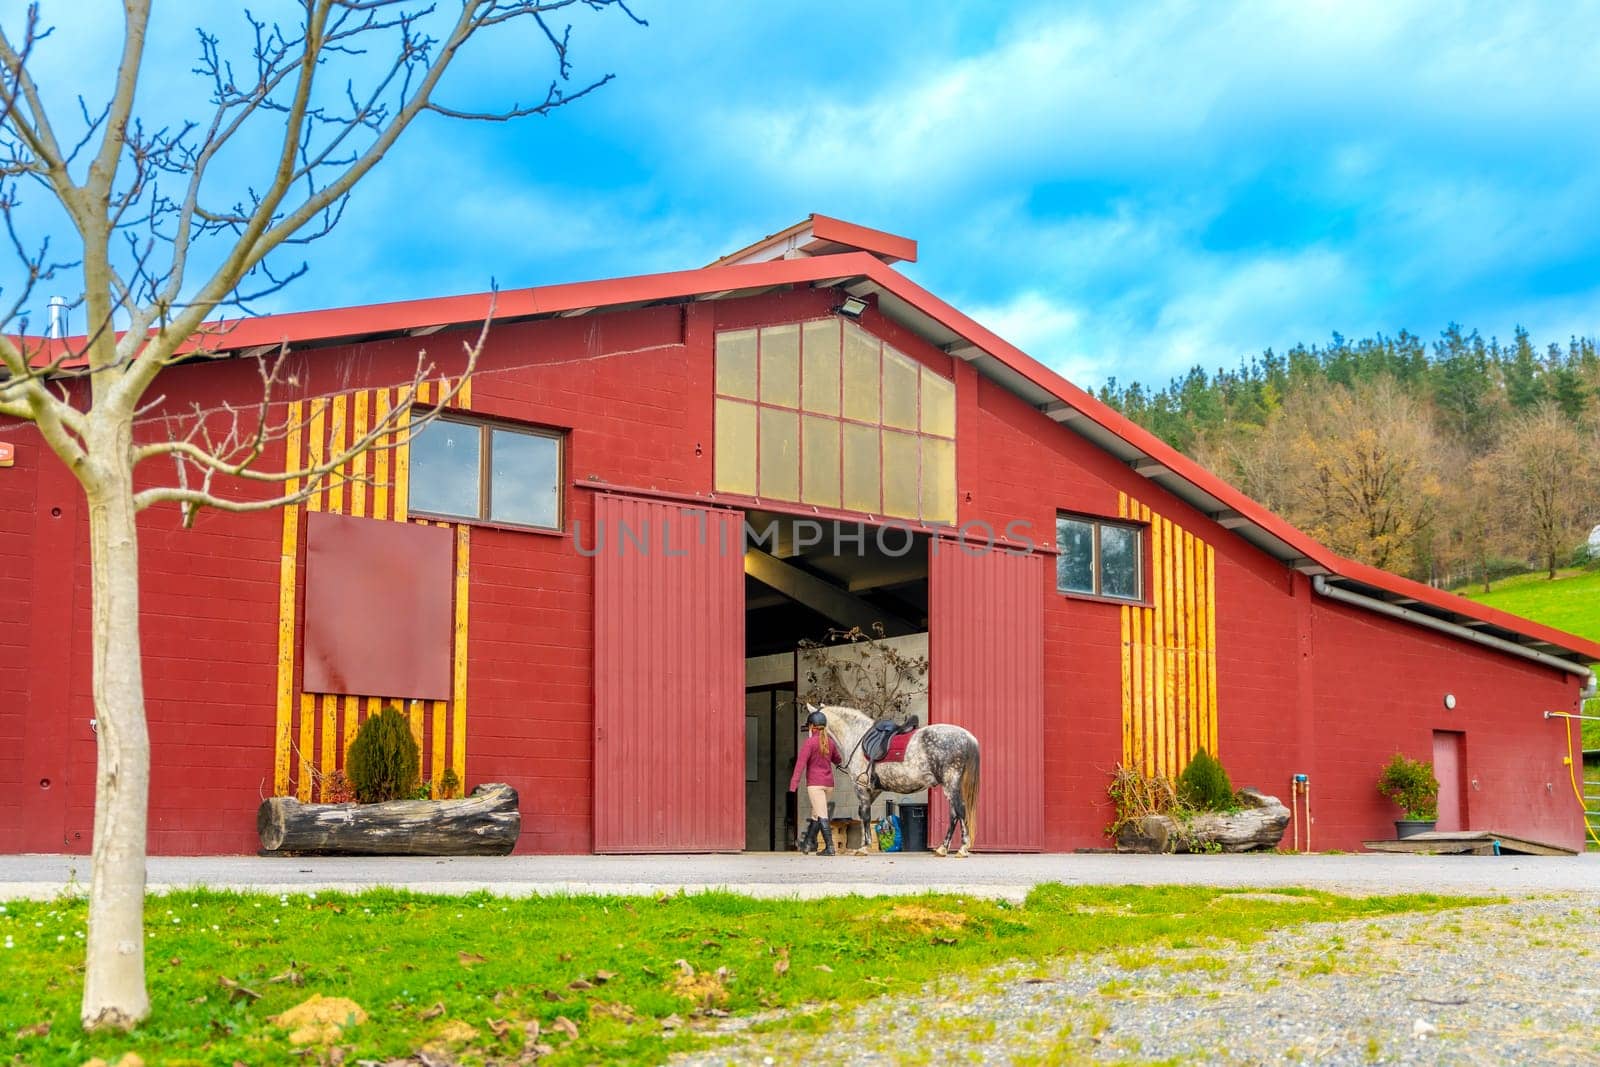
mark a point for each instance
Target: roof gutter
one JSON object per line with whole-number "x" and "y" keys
{"x": 1417, "y": 618}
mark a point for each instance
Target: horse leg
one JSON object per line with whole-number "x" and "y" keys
{"x": 869, "y": 840}
{"x": 954, "y": 800}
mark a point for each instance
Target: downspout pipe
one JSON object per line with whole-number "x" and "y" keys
{"x": 1417, "y": 618}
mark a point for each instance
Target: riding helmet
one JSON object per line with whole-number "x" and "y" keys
{"x": 816, "y": 718}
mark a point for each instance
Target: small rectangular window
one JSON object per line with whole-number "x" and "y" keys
{"x": 1099, "y": 558}
{"x": 473, "y": 470}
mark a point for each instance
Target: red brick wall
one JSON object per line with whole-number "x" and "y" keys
{"x": 1303, "y": 686}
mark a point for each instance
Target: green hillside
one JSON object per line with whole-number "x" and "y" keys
{"x": 1570, "y": 603}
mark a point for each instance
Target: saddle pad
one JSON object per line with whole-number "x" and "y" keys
{"x": 897, "y": 747}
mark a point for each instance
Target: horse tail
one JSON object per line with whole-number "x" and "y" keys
{"x": 969, "y": 788}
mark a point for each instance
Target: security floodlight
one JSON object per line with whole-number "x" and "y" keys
{"x": 852, "y": 307}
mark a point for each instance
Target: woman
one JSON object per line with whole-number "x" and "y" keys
{"x": 817, "y": 758}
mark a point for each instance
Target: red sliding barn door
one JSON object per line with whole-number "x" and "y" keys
{"x": 669, "y": 677}
{"x": 986, "y": 662}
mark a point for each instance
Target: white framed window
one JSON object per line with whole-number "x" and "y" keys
{"x": 1099, "y": 557}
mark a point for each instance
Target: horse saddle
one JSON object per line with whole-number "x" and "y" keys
{"x": 885, "y": 734}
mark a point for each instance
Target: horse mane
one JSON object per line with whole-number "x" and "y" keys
{"x": 853, "y": 716}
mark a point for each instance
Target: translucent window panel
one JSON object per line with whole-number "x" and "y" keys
{"x": 899, "y": 390}
{"x": 938, "y": 480}
{"x": 861, "y": 468}
{"x": 524, "y": 478}
{"x": 819, "y": 461}
{"x": 736, "y": 363}
{"x": 780, "y": 454}
{"x": 780, "y": 366}
{"x": 1119, "y": 562}
{"x": 736, "y": 447}
{"x": 902, "y": 456}
{"x": 1075, "y": 564}
{"x": 819, "y": 379}
{"x": 938, "y": 404}
{"x": 861, "y": 370}
{"x": 444, "y": 469}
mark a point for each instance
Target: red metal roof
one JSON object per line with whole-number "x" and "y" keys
{"x": 860, "y": 268}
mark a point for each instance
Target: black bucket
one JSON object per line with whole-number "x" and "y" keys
{"x": 914, "y": 827}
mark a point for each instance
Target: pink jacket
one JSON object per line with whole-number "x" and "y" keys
{"x": 816, "y": 766}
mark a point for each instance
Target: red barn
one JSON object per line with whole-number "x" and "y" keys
{"x": 575, "y": 582}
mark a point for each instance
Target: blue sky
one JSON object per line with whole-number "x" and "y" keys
{"x": 1119, "y": 189}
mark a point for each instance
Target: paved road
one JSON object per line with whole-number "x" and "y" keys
{"x": 767, "y": 874}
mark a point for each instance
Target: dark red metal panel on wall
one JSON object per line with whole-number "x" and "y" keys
{"x": 986, "y": 657}
{"x": 669, "y": 677}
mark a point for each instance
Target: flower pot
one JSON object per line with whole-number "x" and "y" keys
{"x": 1411, "y": 827}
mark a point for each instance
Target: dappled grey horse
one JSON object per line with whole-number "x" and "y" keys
{"x": 939, "y": 754}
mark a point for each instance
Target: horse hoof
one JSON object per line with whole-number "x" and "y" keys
{"x": 963, "y": 854}
{"x": 941, "y": 852}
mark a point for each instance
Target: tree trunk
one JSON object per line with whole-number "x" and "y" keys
{"x": 484, "y": 824}
{"x": 1259, "y": 824}
{"x": 114, "y": 994}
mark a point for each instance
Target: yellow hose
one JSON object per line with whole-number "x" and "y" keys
{"x": 1572, "y": 773}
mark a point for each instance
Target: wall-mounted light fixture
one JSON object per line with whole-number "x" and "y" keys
{"x": 852, "y": 307}
{"x": 1449, "y": 702}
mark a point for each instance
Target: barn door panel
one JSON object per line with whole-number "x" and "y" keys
{"x": 986, "y": 661}
{"x": 669, "y": 678}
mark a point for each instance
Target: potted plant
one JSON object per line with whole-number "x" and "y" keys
{"x": 1410, "y": 783}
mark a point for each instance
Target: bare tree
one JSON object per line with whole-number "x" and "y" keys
{"x": 1547, "y": 481}
{"x": 162, "y": 241}
{"x": 1356, "y": 468}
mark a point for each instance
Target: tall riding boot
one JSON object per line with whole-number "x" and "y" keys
{"x": 808, "y": 840}
{"x": 827, "y": 838}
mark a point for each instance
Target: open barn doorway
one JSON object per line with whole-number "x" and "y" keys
{"x": 807, "y": 578}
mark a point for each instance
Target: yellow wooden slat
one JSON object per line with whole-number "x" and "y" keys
{"x": 308, "y": 744}
{"x": 316, "y": 441}
{"x": 328, "y": 753}
{"x": 1160, "y": 639}
{"x": 336, "y": 429}
{"x": 380, "y": 458}
{"x": 1136, "y": 632}
{"x": 1196, "y": 640}
{"x": 1211, "y": 644}
{"x": 1127, "y": 685}
{"x": 1180, "y": 652}
{"x": 458, "y": 688}
{"x": 464, "y": 398}
{"x": 402, "y": 469}
{"x": 283, "y": 726}
{"x": 1148, "y": 618}
{"x": 352, "y": 720}
{"x": 415, "y": 710}
{"x": 1169, "y": 643}
{"x": 436, "y": 765}
{"x": 358, "y": 466}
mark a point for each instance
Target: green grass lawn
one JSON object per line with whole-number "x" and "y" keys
{"x": 1571, "y": 602}
{"x": 591, "y": 979}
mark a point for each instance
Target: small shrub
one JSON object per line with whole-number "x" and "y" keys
{"x": 449, "y": 785}
{"x": 383, "y": 759}
{"x": 1137, "y": 795}
{"x": 1410, "y": 783}
{"x": 1204, "y": 785}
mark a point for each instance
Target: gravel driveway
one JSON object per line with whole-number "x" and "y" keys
{"x": 1510, "y": 983}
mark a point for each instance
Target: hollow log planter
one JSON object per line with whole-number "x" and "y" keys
{"x": 484, "y": 824}
{"x": 1258, "y": 825}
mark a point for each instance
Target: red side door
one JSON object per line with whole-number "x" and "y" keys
{"x": 986, "y": 672}
{"x": 669, "y": 677}
{"x": 1448, "y": 768}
